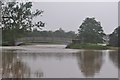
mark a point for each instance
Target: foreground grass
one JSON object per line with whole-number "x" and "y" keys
{"x": 87, "y": 46}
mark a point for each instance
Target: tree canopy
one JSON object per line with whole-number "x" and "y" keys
{"x": 114, "y": 38}
{"x": 90, "y": 31}
{"x": 17, "y": 19}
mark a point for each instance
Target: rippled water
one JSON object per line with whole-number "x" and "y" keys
{"x": 54, "y": 61}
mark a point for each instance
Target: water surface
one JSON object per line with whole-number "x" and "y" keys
{"x": 54, "y": 61}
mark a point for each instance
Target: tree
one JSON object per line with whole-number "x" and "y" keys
{"x": 59, "y": 33}
{"x": 91, "y": 31}
{"x": 114, "y": 38}
{"x": 71, "y": 34}
{"x": 17, "y": 20}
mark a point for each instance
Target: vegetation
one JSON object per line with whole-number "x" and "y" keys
{"x": 114, "y": 38}
{"x": 58, "y": 33}
{"x": 114, "y": 43}
{"x": 91, "y": 31}
{"x": 17, "y": 20}
{"x": 87, "y": 46}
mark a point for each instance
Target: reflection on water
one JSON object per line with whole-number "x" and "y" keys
{"x": 114, "y": 57}
{"x": 13, "y": 66}
{"x": 90, "y": 62}
{"x": 59, "y": 65}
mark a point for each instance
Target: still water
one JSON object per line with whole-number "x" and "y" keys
{"x": 54, "y": 61}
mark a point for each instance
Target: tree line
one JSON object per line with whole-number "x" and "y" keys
{"x": 58, "y": 33}
{"x": 17, "y": 22}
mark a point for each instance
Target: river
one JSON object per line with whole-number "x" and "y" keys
{"x": 54, "y": 61}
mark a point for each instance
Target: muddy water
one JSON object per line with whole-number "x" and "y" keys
{"x": 54, "y": 61}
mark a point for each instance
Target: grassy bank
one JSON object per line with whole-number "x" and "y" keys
{"x": 30, "y": 43}
{"x": 87, "y": 46}
{"x": 114, "y": 48}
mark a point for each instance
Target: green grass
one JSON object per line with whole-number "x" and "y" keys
{"x": 114, "y": 48}
{"x": 86, "y": 46}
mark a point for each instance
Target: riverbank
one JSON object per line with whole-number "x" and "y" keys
{"x": 29, "y": 43}
{"x": 114, "y": 48}
{"x": 40, "y": 48}
{"x": 88, "y": 46}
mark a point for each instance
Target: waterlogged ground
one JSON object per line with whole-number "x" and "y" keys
{"x": 54, "y": 61}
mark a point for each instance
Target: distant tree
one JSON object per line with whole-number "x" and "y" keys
{"x": 17, "y": 19}
{"x": 59, "y": 33}
{"x": 91, "y": 31}
{"x": 114, "y": 38}
{"x": 71, "y": 34}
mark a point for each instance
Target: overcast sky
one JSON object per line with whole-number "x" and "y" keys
{"x": 70, "y": 15}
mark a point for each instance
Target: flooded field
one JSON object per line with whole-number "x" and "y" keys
{"x": 54, "y": 61}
